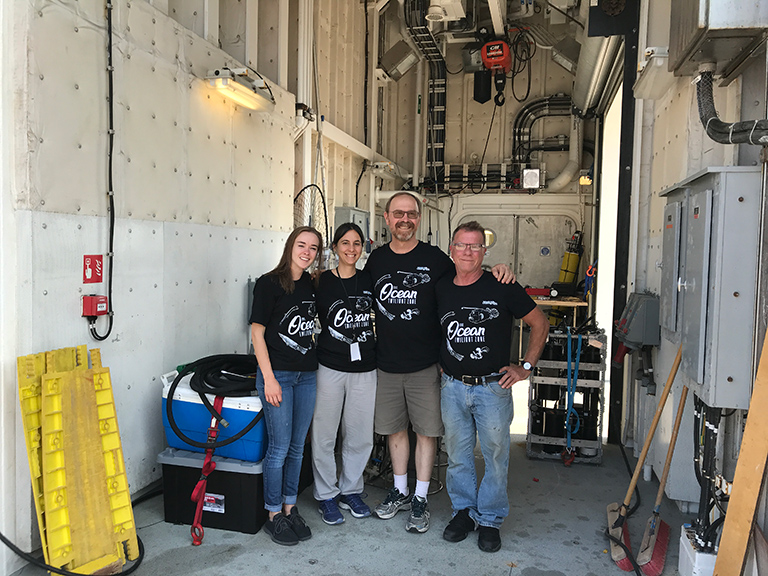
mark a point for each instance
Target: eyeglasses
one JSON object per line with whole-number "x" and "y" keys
{"x": 473, "y": 247}
{"x": 412, "y": 214}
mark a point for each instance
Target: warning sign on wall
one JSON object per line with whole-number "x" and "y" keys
{"x": 93, "y": 268}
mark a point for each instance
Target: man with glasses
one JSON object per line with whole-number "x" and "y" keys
{"x": 404, "y": 274}
{"x": 476, "y": 315}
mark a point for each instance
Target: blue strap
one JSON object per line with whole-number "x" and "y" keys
{"x": 573, "y": 376}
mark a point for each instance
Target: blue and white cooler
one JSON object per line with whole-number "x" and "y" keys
{"x": 193, "y": 419}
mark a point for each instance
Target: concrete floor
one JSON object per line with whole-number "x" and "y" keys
{"x": 555, "y": 528}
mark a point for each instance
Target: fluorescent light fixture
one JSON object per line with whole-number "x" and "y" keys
{"x": 435, "y": 12}
{"x": 398, "y": 60}
{"x": 239, "y": 87}
{"x": 653, "y": 77}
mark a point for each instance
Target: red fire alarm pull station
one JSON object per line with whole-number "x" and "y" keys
{"x": 93, "y": 268}
{"x": 94, "y": 305}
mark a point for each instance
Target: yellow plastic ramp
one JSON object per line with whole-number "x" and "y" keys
{"x": 30, "y": 371}
{"x": 123, "y": 524}
{"x": 83, "y": 499}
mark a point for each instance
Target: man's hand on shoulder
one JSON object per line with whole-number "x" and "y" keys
{"x": 503, "y": 274}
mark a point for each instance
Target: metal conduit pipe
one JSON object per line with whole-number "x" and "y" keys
{"x": 537, "y": 115}
{"x": 573, "y": 166}
{"x": 550, "y": 106}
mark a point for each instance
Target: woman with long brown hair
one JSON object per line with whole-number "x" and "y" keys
{"x": 282, "y": 327}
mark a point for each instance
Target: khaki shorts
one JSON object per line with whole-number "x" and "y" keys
{"x": 413, "y": 397}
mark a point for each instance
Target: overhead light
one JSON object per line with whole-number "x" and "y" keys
{"x": 653, "y": 76}
{"x": 435, "y": 12}
{"x": 239, "y": 87}
{"x": 398, "y": 60}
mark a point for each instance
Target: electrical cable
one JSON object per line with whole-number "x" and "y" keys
{"x": 749, "y": 132}
{"x": 230, "y": 375}
{"x": 357, "y": 184}
{"x": 488, "y": 137}
{"x": 523, "y": 48}
{"x": 110, "y": 187}
{"x": 40, "y": 564}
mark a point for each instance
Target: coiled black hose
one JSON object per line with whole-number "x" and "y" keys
{"x": 749, "y": 132}
{"x": 231, "y": 375}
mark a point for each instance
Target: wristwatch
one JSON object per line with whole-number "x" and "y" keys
{"x": 527, "y": 366}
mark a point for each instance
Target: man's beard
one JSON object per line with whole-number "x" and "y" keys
{"x": 404, "y": 232}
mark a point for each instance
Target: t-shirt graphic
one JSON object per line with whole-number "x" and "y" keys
{"x": 289, "y": 321}
{"x": 476, "y": 323}
{"x": 469, "y": 332}
{"x": 407, "y": 328}
{"x": 294, "y": 325}
{"x": 401, "y": 289}
{"x": 344, "y": 309}
{"x": 356, "y": 321}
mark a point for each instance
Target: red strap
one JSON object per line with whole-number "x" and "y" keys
{"x": 568, "y": 456}
{"x": 198, "y": 494}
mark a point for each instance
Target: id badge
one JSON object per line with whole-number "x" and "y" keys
{"x": 354, "y": 351}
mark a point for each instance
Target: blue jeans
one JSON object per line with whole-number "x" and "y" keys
{"x": 287, "y": 428}
{"x": 487, "y": 411}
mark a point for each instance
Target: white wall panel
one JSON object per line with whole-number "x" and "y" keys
{"x": 66, "y": 133}
{"x": 149, "y": 131}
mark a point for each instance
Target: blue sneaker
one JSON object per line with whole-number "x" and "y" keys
{"x": 355, "y": 505}
{"x": 329, "y": 510}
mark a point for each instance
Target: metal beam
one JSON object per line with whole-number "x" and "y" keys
{"x": 498, "y": 16}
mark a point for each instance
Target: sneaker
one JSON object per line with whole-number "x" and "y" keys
{"x": 418, "y": 520}
{"x": 279, "y": 528}
{"x": 489, "y": 539}
{"x": 330, "y": 512}
{"x": 459, "y": 526}
{"x": 298, "y": 525}
{"x": 355, "y": 505}
{"x": 393, "y": 503}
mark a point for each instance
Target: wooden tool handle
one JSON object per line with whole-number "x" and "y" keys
{"x": 671, "y": 449}
{"x": 652, "y": 429}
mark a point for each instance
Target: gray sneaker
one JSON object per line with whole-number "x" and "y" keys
{"x": 393, "y": 503}
{"x": 418, "y": 520}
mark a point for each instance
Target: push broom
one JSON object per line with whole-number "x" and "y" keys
{"x": 617, "y": 513}
{"x": 653, "y": 550}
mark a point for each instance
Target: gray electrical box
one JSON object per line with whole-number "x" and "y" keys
{"x": 348, "y": 214}
{"x": 709, "y": 279}
{"x": 639, "y": 322}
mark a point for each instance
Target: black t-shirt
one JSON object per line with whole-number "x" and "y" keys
{"x": 344, "y": 308}
{"x": 476, "y": 323}
{"x": 289, "y": 320}
{"x": 407, "y": 330}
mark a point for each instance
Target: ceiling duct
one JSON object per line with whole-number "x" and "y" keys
{"x": 596, "y": 59}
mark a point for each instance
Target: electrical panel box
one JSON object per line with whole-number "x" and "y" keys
{"x": 348, "y": 214}
{"x": 709, "y": 280}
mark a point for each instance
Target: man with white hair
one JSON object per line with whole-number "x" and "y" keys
{"x": 477, "y": 315}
